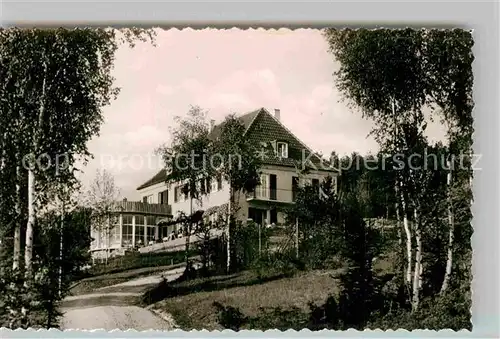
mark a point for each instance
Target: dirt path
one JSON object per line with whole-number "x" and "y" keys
{"x": 114, "y": 307}
{"x": 113, "y": 317}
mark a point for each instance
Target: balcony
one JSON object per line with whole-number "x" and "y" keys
{"x": 143, "y": 208}
{"x": 266, "y": 195}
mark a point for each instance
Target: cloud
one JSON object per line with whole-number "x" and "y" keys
{"x": 224, "y": 71}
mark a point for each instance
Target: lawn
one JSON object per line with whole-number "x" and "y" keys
{"x": 191, "y": 302}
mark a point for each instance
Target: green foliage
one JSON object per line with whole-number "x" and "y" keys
{"x": 185, "y": 157}
{"x": 247, "y": 247}
{"x": 277, "y": 318}
{"x": 230, "y": 317}
{"x": 450, "y": 311}
{"x": 239, "y": 162}
{"x": 280, "y": 319}
{"x": 51, "y": 78}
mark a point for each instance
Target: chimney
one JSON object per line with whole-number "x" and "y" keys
{"x": 277, "y": 114}
{"x": 212, "y": 124}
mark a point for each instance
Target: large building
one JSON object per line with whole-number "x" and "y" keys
{"x": 131, "y": 224}
{"x": 284, "y": 158}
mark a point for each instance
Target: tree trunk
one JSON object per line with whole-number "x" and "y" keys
{"x": 228, "y": 232}
{"x": 17, "y": 229}
{"x": 398, "y": 217}
{"x": 28, "y": 251}
{"x": 188, "y": 233}
{"x": 61, "y": 250}
{"x": 408, "y": 238}
{"x": 451, "y": 235}
{"x": 108, "y": 235}
{"x": 417, "y": 276}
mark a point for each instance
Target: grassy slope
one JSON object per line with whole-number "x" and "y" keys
{"x": 191, "y": 302}
{"x": 193, "y": 307}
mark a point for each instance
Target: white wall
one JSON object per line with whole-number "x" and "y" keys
{"x": 215, "y": 198}
{"x": 284, "y": 177}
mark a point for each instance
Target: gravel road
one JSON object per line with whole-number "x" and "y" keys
{"x": 109, "y": 309}
{"x": 113, "y": 317}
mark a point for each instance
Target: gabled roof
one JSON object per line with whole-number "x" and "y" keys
{"x": 246, "y": 119}
{"x": 159, "y": 177}
{"x": 261, "y": 126}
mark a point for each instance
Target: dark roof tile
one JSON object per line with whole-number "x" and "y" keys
{"x": 261, "y": 126}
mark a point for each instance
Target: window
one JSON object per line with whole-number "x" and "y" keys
{"x": 127, "y": 230}
{"x": 214, "y": 184}
{"x": 177, "y": 193}
{"x": 295, "y": 187}
{"x": 274, "y": 216}
{"x": 145, "y": 199}
{"x": 219, "y": 182}
{"x": 263, "y": 189}
{"x": 151, "y": 220}
{"x": 114, "y": 236}
{"x": 185, "y": 191}
{"x": 139, "y": 230}
{"x": 282, "y": 149}
{"x": 163, "y": 197}
{"x": 150, "y": 234}
{"x": 273, "y": 186}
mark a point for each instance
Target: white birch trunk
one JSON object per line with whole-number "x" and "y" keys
{"x": 17, "y": 231}
{"x": 28, "y": 251}
{"x": 408, "y": 238}
{"x": 417, "y": 276}
{"x": 61, "y": 250}
{"x": 398, "y": 217}
{"x": 451, "y": 235}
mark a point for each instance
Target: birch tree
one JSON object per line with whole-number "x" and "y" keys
{"x": 59, "y": 78}
{"x": 238, "y": 163}
{"x": 449, "y": 62}
{"x": 381, "y": 74}
{"x": 102, "y": 198}
{"x": 55, "y": 83}
{"x": 185, "y": 159}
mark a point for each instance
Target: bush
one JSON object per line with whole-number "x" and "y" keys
{"x": 279, "y": 319}
{"x": 450, "y": 311}
{"x": 269, "y": 318}
{"x": 229, "y": 317}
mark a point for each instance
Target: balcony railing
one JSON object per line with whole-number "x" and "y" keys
{"x": 144, "y": 208}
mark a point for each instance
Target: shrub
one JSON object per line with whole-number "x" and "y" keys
{"x": 450, "y": 311}
{"x": 279, "y": 319}
{"x": 229, "y": 317}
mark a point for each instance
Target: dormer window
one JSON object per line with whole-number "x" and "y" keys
{"x": 282, "y": 149}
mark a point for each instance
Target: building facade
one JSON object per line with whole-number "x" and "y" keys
{"x": 285, "y": 158}
{"x": 132, "y": 224}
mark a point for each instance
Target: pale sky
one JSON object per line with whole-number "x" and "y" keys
{"x": 222, "y": 71}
